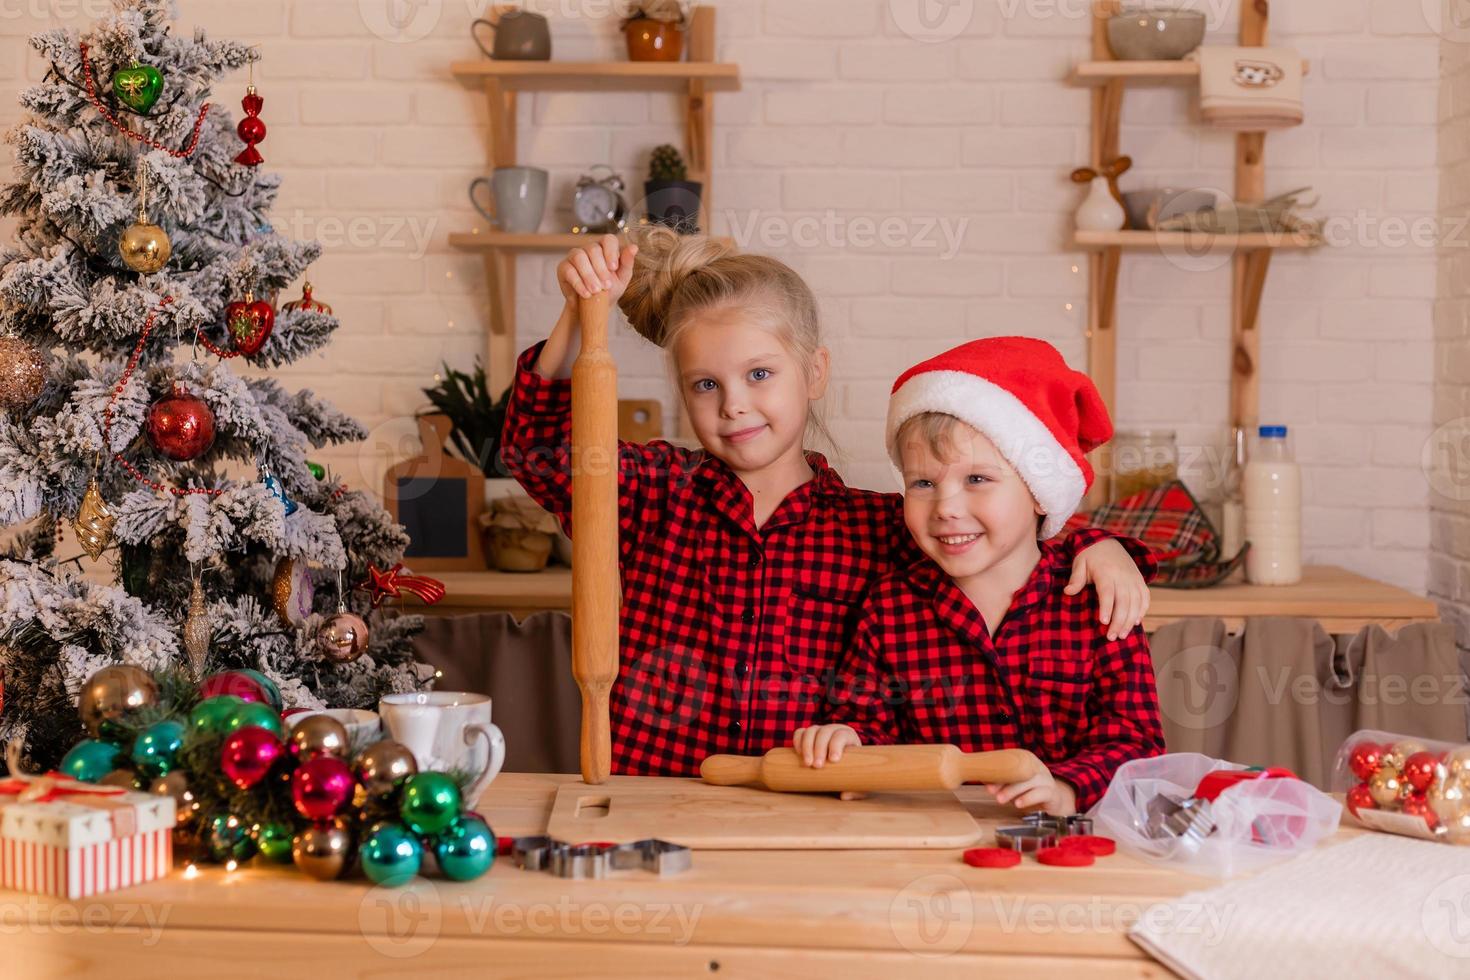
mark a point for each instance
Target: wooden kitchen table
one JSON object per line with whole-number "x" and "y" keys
{"x": 735, "y": 913}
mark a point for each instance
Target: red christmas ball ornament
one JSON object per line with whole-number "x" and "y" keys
{"x": 241, "y": 685}
{"x": 321, "y": 786}
{"x": 1359, "y": 798}
{"x": 1365, "y": 759}
{"x": 1419, "y": 771}
{"x": 248, "y": 754}
{"x": 181, "y": 426}
{"x": 1418, "y": 806}
{"x": 251, "y": 129}
{"x": 249, "y": 323}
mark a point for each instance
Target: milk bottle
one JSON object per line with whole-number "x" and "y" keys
{"x": 1273, "y": 511}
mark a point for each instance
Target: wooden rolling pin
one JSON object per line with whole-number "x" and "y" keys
{"x": 595, "y": 589}
{"x": 872, "y": 768}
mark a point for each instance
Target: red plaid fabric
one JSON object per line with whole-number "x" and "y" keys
{"x": 730, "y": 634}
{"x": 924, "y": 668}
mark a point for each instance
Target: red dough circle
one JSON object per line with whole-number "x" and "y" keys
{"x": 1065, "y": 857}
{"x": 1091, "y": 843}
{"x": 992, "y": 857}
{"x": 504, "y": 845}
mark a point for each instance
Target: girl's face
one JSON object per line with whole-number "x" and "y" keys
{"x": 747, "y": 396}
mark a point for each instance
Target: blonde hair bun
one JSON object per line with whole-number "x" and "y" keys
{"x": 665, "y": 260}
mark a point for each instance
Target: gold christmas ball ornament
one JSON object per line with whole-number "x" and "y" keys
{"x": 177, "y": 786}
{"x": 112, "y": 692}
{"x": 1457, "y": 761}
{"x": 22, "y": 373}
{"x": 1386, "y": 788}
{"x": 343, "y": 637}
{"x": 319, "y": 735}
{"x": 120, "y": 777}
{"x": 384, "y": 766}
{"x": 144, "y": 247}
{"x": 1398, "y": 753}
{"x": 323, "y": 851}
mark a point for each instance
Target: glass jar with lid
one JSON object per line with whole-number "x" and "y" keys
{"x": 1142, "y": 460}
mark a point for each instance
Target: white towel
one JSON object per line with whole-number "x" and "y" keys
{"x": 1375, "y": 906}
{"x": 1249, "y": 88}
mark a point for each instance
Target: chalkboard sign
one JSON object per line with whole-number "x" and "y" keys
{"x": 438, "y": 499}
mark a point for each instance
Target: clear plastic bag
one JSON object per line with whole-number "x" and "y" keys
{"x": 1249, "y": 825}
{"x": 1406, "y": 785}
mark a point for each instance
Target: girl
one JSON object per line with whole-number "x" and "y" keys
{"x": 743, "y": 564}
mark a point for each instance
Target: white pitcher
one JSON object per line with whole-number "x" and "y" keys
{"x": 1100, "y": 211}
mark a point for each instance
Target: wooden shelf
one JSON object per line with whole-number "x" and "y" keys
{"x": 1189, "y": 240}
{"x": 1139, "y": 72}
{"x": 492, "y": 241}
{"x": 1342, "y": 601}
{"x": 598, "y": 76}
{"x": 489, "y": 591}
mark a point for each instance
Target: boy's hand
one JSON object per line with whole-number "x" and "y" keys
{"x": 1122, "y": 594}
{"x": 1042, "y": 791}
{"x": 606, "y": 264}
{"x": 821, "y": 744}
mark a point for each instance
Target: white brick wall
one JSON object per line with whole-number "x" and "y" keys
{"x": 844, "y": 119}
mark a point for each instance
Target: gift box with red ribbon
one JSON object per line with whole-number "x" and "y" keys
{"x": 70, "y": 839}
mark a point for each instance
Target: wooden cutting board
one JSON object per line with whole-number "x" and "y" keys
{"x": 693, "y": 813}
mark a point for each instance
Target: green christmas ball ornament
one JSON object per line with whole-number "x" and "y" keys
{"x": 391, "y": 855}
{"x": 254, "y": 713}
{"x": 227, "y": 838}
{"x": 466, "y": 848}
{"x": 272, "y": 693}
{"x": 431, "y": 802}
{"x": 90, "y": 760}
{"x": 274, "y": 841}
{"x": 138, "y": 87}
{"x": 212, "y": 715}
{"x": 318, "y": 471}
{"x": 156, "y": 749}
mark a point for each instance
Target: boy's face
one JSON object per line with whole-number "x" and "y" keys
{"x": 970, "y": 511}
{"x": 748, "y": 398}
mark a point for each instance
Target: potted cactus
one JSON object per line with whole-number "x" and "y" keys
{"x": 655, "y": 29}
{"x": 672, "y": 198}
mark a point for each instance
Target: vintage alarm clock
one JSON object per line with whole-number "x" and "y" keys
{"x": 599, "y": 205}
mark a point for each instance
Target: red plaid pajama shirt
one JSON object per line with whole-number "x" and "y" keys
{"x": 730, "y": 634}
{"x": 924, "y": 668}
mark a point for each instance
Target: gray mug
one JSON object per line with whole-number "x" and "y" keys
{"x": 518, "y": 198}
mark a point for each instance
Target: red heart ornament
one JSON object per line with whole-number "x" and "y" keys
{"x": 250, "y": 323}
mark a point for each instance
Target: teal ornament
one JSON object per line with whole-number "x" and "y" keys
{"x": 430, "y": 804}
{"x": 272, "y": 693}
{"x": 274, "y": 841}
{"x": 90, "y": 759}
{"x": 212, "y": 715}
{"x": 227, "y": 838}
{"x": 279, "y": 492}
{"x": 138, "y": 87}
{"x": 156, "y": 749}
{"x": 255, "y": 713}
{"x": 391, "y": 855}
{"x": 466, "y": 849}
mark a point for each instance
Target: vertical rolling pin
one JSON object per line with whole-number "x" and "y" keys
{"x": 595, "y": 589}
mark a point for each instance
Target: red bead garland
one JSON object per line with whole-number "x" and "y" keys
{"x": 106, "y": 114}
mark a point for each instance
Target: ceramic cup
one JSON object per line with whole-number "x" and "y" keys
{"x": 445, "y": 731}
{"x": 518, "y": 198}
{"x": 363, "y": 727}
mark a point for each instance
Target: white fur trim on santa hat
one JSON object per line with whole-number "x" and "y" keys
{"x": 1049, "y": 471}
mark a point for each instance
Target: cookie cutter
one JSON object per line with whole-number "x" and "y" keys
{"x": 1026, "y": 839}
{"x": 1189, "y": 821}
{"x": 580, "y": 860}
{"x": 534, "y": 853}
{"x": 659, "y": 856}
{"x": 1072, "y": 826}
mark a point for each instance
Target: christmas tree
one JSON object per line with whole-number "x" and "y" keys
{"x": 142, "y": 271}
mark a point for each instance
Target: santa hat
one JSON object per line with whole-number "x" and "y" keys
{"x": 1017, "y": 391}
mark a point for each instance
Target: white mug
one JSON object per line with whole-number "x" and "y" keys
{"x": 447, "y": 730}
{"x": 363, "y": 727}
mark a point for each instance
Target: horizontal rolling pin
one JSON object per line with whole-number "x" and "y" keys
{"x": 872, "y": 768}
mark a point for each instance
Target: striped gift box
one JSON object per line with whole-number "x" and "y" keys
{"x": 75, "y": 843}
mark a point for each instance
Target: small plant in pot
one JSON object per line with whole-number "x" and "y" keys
{"x": 518, "y": 534}
{"x": 672, "y": 199}
{"x": 655, "y": 29}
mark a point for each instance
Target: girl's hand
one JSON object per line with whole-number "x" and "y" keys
{"x": 821, "y": 744}
{"x": 1122, "y": 594}
{"x": 1042, "y": 791}
{"x": 605, "y": 264}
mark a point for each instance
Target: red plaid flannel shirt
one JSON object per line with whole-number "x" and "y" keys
{"x": 730, "y": 634}
{"x": 924, "y": 668}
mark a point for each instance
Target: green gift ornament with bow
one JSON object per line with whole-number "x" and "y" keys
{"x": 138, "y": 87}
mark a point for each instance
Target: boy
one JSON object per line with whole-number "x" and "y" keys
{"x": 978, "y": 645}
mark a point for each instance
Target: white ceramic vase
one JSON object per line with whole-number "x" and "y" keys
{"x": 1100, "y": 211}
